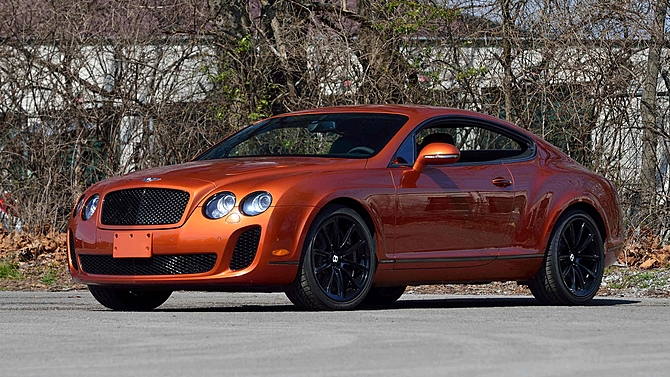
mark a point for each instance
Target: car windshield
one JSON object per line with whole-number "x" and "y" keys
{"x": 349, "y": 135}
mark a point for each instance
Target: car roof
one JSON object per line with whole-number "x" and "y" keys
{"x": 416, "y": 113}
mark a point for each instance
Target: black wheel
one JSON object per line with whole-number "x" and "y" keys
{"x": 337, "y": 264}
{"x": 574, "y": 263}
{"x": 128, "y": 300}
{"x": 384, "y": 295}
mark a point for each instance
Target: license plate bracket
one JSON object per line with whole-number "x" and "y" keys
{"x": 132, "y": 244}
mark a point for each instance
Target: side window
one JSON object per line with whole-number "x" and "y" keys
{"x": 467, "y": 138}
{"x": 406, "y": 153}
{"x": 476, "y": 143}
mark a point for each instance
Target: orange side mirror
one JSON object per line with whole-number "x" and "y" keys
{"x": 436, "y": 154}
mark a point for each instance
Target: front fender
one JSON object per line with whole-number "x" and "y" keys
{"x": 373, "y": 193}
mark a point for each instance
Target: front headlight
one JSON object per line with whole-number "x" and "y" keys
{"x": 80, "y": 202}
{"x": 219, "y": 205}
{"x": 256, "y": 203}
{"x": 90, "y": 207}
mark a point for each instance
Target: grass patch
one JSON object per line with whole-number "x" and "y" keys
{"x": 50, "y": 276}
{"x": 629, "y": 278}
{"x": 9, "y": 270}
{"x": 616, "y": 285}
{"x": 645, "y": 279}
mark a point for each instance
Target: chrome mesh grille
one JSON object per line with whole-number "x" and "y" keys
{"x": 144, "y": 206}
{"x": 156, "y": 265}
{"x": 245, "y": 249}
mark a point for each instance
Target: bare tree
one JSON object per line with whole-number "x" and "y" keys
{"x": 95, "y": 89}
{"x": 650, "y": 181}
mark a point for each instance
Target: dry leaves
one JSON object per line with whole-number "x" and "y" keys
{"x": 28, "y": 248}
{"x": 645, "y": 252}
{"x": 41, "y": 261}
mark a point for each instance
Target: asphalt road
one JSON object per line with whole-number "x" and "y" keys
{"x": 205, "y": 334}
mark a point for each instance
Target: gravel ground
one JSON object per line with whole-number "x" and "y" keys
{"x": 618, "y": 281}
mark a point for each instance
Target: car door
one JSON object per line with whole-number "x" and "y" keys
{"x": 452, "y": 215}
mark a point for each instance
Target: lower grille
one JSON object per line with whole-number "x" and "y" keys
{"x": 73, "y": 254}
{"x": 156, "y": 265}
{"x": 245, "y": 249}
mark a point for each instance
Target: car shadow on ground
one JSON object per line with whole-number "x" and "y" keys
{"x": 403, "y": 304}
{"x": 492, "y": 302}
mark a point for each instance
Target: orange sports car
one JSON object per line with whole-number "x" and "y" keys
{"x": 348, "y": 205}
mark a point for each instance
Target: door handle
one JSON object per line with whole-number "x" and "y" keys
{"x": 501, "y": 182}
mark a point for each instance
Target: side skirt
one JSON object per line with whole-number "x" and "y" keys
{"x": 509, "y": 265}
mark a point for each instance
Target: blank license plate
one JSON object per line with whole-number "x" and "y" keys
{"x": 132, "y": 244}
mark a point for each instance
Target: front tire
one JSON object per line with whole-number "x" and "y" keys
{"x": 128, "y": 300}
{"x": 337, "y": 264}
{"x": 574, "y": 263}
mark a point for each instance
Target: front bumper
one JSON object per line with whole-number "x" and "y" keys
{"x": 242, "y": 251}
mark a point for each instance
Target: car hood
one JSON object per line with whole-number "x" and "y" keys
{"x": 215, "y": 173}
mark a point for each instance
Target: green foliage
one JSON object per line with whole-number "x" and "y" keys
{"x": 224, "y": 79}
{"x": 410, "y": 17}
{"x": 228, "y": 92}
{"x": 236, "y": 89}
{"x": 243, "y": 45}
{"x": 263, "y": 108}
{"x": 629, "y": 278}
{"x": 50, "y": 276}
{"x": 645, "y": 279}
{"x": 471, "y": 72}
{"x": 10, "y": 270}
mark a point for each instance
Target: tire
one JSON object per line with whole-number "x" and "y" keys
{"x": 128, "y": 300}
{"x": 383, "y": 296}
{"x": 337, "y": 264}
{"x": 573, "y": 265}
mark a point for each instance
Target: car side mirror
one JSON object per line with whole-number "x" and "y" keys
{"x": 436, "y": 154}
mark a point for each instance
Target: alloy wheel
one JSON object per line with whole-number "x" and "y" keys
{"x": 341, "y": 258}
{"x": 579, "y": 257}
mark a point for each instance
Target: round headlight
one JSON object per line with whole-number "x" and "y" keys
{"x": 90, "y": 207}
{"x": 256, "y": 203}
{"x": 77, "y": 208}
{"x": 219, "y": 205}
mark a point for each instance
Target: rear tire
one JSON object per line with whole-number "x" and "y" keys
{"x": 128, "y": 300}
{"x": 383, "y": 296}
{"x": 573, "y": 266}
{"x": 337, "y": 264}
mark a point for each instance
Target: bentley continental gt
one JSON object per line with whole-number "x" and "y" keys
{"x": 349, "y": 205}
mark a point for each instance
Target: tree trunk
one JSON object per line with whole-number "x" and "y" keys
{"x": 231, "y": 18}
{"x": 507, "y": 58}
{"x": 273, "y": 31}
{"x": 648, "y": 109}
